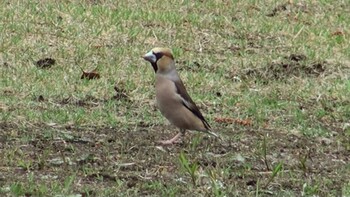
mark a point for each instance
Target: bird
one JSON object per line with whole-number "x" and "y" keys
{"x": 172, "y": 98}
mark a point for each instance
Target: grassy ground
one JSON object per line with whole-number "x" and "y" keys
{"x": 272, "y": 77}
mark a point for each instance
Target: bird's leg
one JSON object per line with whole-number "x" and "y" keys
{"x": 174, "y": 139}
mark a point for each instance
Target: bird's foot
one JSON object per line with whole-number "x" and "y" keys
{"x": 172, "y": 141}
{"x": 167, "y": 142}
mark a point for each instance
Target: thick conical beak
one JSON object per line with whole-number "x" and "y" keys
{"x": 150, "y": 57}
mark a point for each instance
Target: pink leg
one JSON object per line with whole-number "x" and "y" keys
{"x": 172, "y": 140}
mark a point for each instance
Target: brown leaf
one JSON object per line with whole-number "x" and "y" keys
{"x": 224, "y": 120}
{"x": 338, "y": 33}
{"x": 45, "y": 63}
{"x": 245, "y": 122}
{"x": 90, "y": 75}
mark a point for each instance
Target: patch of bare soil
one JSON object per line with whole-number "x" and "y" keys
{"x": 293, "y": 65}
{"x": 103, "y": 156}
{"x": 288, "y": 7}
{"x": 88, "y": 101}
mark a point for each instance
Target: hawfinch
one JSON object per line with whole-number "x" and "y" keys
{"x": 172, "y": 98}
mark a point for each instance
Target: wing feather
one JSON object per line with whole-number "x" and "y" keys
{"x": 188, "y": 102}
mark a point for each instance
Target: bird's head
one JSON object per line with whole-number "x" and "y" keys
{"x": 161, "y": 59}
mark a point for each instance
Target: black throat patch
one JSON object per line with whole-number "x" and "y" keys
{"x": 154, "y": 65}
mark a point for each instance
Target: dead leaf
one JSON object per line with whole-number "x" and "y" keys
{"x": 224, "y": 120}
{"x": 245, "y": 122}
{"x": 45, "y": 63}
{"x": 90, "y": 75}
{"x": 338, "y": 33}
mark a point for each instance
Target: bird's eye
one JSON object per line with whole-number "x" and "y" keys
{"x": 158, "y": 55}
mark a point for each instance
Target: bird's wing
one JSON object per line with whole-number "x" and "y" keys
{"x": 188, "y": 102}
